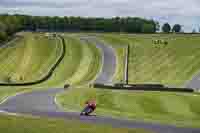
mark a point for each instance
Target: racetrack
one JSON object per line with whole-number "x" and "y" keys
{"x": 108, "y": 60}
{"x": 194, "y": 82}
{"x": 42, "y": 103}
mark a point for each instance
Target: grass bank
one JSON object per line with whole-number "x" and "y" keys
{"x": 13, "y": 124}
{"x": 180, "y": 109}
{"x": 80, "y": 65}
{"x": 172, "y": 64}
{"x": 29, "y": 59}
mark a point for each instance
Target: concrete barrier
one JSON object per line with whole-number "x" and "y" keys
{"x": 143, "y": 87}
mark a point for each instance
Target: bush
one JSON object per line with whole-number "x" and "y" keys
{"x": 165, "y": 42}
{"x": 3, "y": 36}
{"x": 66, "y": 86}
{"x": 8, "y": 79}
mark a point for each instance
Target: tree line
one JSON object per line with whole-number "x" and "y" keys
{"x": 10, "y": 24}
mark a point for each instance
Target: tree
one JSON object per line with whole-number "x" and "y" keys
{"x": 2, "y": 26}
{"x": 194, "y": 30}
{"x": 3, "y": 36}
{"x": 10, "y": 24}
{"x": 157, "y": 26}
{"x": 148, "y": 28}
{"x": 176, "y": 28}
{"x": 166, "y": 28}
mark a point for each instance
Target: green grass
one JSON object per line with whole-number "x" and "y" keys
{"x": 12, "y": 124}
{"x": 68, "y": 66}
{"x": 33, "y": 55}
{"x": 89, "y": 66}
{"x": 29, "y": 59}
{"x": 173, "y": 64}
{"x": 80, "y": 65}
{"x": 171, "y": 108}
{"x": 148, "y": 64}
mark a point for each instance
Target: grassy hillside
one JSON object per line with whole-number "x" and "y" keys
{"x": 173, "y": 64}
{"x": 89, "y": 66}
{"x": 171, "y": 108}
{"x": 80, "y": 65}
{"x": 12, "y": 124}
{"x": 29, "y": 59}
{"x": 68, "y": 65}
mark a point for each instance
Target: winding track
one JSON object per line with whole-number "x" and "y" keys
{"x": 194, "y": 82}
{"x": 108, "y": 60}
{"x": 42, "y": 103}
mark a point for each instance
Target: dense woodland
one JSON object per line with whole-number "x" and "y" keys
{"x": 10, "y": 24}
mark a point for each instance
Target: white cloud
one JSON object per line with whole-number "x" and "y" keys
{"x": 172, "y": 11}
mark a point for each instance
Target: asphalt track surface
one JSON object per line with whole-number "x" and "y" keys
{"x": 194, "y": 82}
{"x": 108, "y": 60}
{"x": 42, "y": 103}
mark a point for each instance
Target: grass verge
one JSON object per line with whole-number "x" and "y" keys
{"x": 180, "y": 109}
{"x": 89, "y": 66}
{"x": 80, "y": 65}
{"x": 172, "y": 65}
{"x": 68, "y": 66}
{"x": 24, "y": 62}
{"x": 13, "y": 124}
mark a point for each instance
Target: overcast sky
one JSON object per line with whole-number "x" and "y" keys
{"x": 185, "y": 12}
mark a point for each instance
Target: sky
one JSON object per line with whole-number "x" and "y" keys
{"x": 184, "y": 12}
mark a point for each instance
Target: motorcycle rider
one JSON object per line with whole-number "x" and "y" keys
{"x": 90, "y": 106}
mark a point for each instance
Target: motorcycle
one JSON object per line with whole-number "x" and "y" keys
{"x": 86, "y": 111}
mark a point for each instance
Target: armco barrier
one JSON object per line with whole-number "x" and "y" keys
{"x": 147, "y": 85}
{"x": 143, "y": 88}
{"x": 46, "y": 77}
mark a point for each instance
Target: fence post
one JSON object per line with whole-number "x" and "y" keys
{"x": 126, "y": 65}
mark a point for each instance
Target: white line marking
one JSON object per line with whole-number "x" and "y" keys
{"x": 12, "y": 96}
{"x": 8, "y": 113}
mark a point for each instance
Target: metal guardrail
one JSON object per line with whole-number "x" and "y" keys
{"x": 143, "y": 87}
